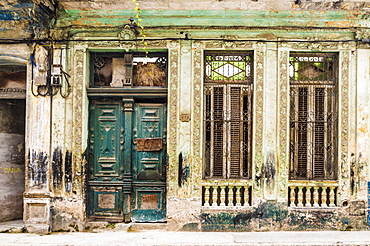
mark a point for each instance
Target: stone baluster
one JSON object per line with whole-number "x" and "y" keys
{"x": 246, "y": 196}
{"x": 308, "y": 197}
{"x": 214, "y": 196}
{"x": 316, "y": 196}
{"x": 238, "y": 196}
{"x": 230, "y": 196}
{"x": 323, "y": 197}
{"x": 332, "y": 196}
{"x": 300, "y": 196}
{"x": 223, "y": 196}
{"x": 292, "y": 197}
{"x": 206, "y": 195}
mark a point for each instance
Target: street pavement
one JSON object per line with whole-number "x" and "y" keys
{"x": 160, "y": 237}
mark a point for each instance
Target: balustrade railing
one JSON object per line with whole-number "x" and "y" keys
{"x": 320, "y": 194}
{"x": 218, "y": 195}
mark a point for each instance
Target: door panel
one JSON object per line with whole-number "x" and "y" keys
{"x": 149, "y": 204}
{"x": 127, "y": 156}
{"x": 105, "y": 195}
{"x": 149, "y": 134}
{"x": 149, "y": 163}
{"x": 106, "y": 202}
{"x": 106, "y": 140}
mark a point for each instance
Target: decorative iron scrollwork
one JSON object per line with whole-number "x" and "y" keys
{"x": 99, "y": 62}
{"x": 161, "y": 62}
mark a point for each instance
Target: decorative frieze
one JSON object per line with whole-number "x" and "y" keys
{"x": 283, "y": 119}
{"x": 197, "y": 117}
{"x": 344, "y": 175}
{"x": 78, "y": 95}
{"x": 173, "y": 104}
{"x": 258, "y": 116}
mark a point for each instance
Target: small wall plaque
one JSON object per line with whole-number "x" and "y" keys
{"x": 149, "y": 144}
{"x": 185, "y": 117}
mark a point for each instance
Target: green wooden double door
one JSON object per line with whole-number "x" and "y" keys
{"x": 127, "y": 161}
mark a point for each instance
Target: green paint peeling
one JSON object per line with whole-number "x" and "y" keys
{"x": 223, "y": 18}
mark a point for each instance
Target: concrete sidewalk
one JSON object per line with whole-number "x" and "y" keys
{"x": 160, "y": 237}
{"x": 188, "y": 238}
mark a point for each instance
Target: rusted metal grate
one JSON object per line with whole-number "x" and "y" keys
{"x": 228, "y": 114}
{"x": 313, "y": 115}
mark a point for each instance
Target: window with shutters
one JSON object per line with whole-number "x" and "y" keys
{"x": 228, "y": 93}
{"x": 313, "y": 116}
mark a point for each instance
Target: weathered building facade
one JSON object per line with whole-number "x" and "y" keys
{"x": 213, "y": 116}
{"x": 20, "y": 23}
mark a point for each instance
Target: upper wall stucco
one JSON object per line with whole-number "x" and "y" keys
{"x": 25, "y": 19}
{"x": 81, "y": 18}
{"x": 219, "y": 4}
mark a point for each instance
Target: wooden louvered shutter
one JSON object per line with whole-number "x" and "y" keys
{"x": 319, "y": 134}
{"x": 218, "y": 132}
{"x": 302, "y": 131}
{"x": 235, "y": 127}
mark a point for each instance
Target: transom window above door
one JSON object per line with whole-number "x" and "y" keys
{"x": 128, "y": 69}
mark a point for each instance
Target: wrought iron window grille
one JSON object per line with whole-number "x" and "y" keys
{"x": 228, "y": 95}
{"x": 313, "y": 116}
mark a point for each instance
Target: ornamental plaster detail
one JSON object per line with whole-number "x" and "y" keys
{"x": 173, "y": 44}
{"x": 78, "y": 86}
{"x": 197, "y": 116}
{"x": 344, "y": 175}
{"x": 362, "y": 34}
{"x": 126, "y": 33}
{"x": 283, "y": 129}
{"x": 198, "y": 45}
{"x": 128, "y": 45}
{"x": 172, "y": 116}
{"x": 231, "y": 45}
{"x": 123, "y": 44}
{"x": 214, "y": 45}
{"x": 246, "y": 45}
{"x": 259, "y": 85}
{"x": 319, "y": 46}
